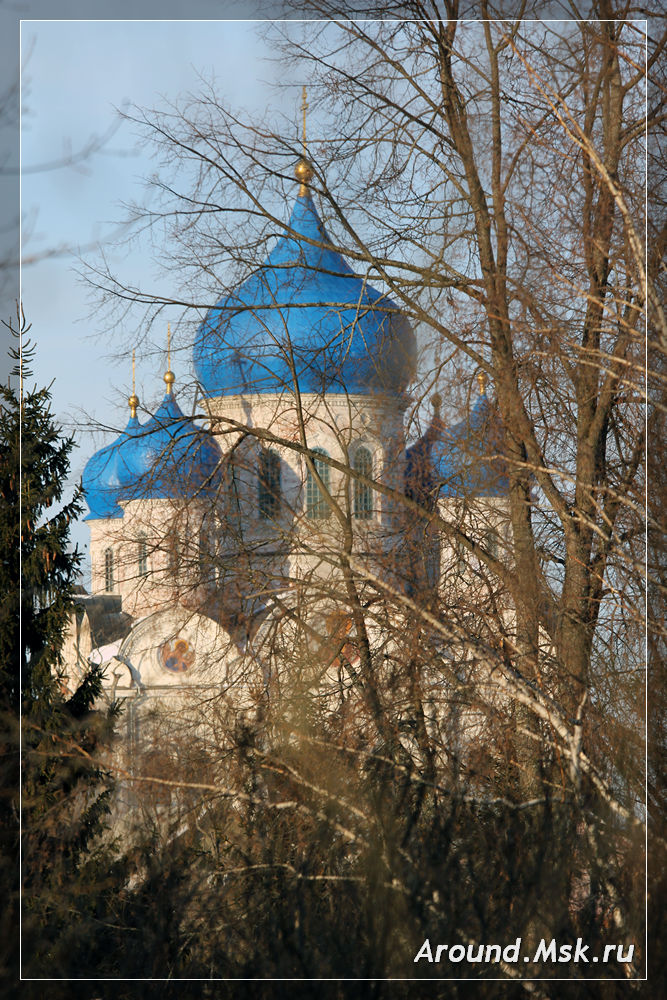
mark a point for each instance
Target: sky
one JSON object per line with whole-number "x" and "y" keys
{"x": 75, "y": 75}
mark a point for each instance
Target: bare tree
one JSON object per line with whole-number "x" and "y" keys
{"x": 462, "y": 685}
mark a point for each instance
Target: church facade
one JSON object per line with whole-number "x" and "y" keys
{"x": 221, "y": 546}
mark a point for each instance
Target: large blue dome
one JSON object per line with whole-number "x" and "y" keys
{"x": 101, "y": 476}
{"x": 465, "y": 460}
{"x": 170, "y": 458}
{"x": 304, "y": 312}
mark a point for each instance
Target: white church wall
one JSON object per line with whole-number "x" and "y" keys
{"x": 339, "y": 425}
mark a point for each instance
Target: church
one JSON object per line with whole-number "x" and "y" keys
{"x": 223, "y": 545}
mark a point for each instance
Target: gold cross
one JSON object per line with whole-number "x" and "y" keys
{"x": 169, "y": 377}
{"x": 304, "y": 108}
{"x": 134, "y": 399}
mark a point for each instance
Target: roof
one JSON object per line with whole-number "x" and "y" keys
{"x": 171, "y": 457}
{"x": 168, "y": 456}
{"x": 101, "y": 476}
{"x": 304, "y": 313}
{"x": 465, "y": 460}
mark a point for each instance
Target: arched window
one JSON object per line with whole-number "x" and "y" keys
{"x": 173, "y": 552}
{"x": 363, "y": 493}
{"x": 204, "y": 547}
{"x": 317, "y": 507}
{"x": 460, "y": 558}
{"x": 268, "y": 484}
{"x": 108, "y": 571}
{"x": 431, "y": 563}
{"x": 142, "y": 555}
{"x": 209, "y": 558}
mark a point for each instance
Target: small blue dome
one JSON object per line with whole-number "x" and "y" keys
{"x": 465, "y": 460}
{"x": 101, "y": 476}
{"x": 172, "y": 457}
{"x": 304, "y": 307}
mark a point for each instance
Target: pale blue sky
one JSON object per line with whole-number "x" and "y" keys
{"x": 75, "y": 74}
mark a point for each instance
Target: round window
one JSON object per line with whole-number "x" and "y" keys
{"x": 176, "y": 655}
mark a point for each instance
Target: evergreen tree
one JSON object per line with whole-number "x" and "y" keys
{"x": 64, "y": 789}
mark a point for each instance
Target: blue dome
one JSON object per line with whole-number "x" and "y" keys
{"x": 101, "y": 476}
{"x": 465, "y": 460}
{"x": 172, "y": 457}
{"x": 304, "y": 307}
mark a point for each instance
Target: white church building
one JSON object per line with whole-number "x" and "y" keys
{"x": 211, "y": 536}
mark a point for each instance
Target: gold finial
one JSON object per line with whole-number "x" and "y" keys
{"x": 436, "y": 403}
{"x": 303, "y": 170}
{"x": 482, "y": 380}
{"x": 169, "y": 376}
{"x": 303, "y": 173}
{"x": 134, "y": 399}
